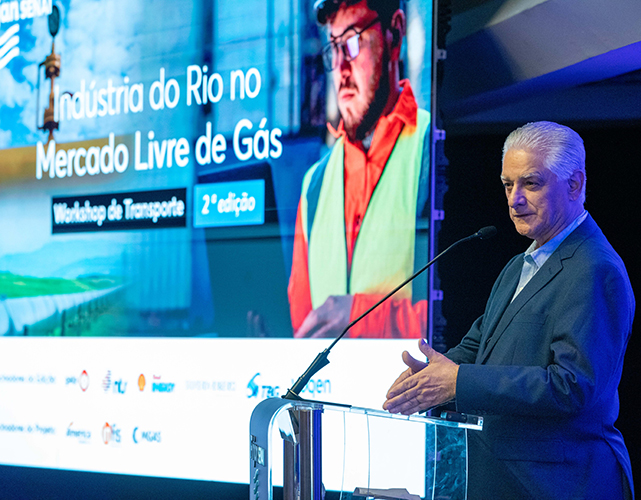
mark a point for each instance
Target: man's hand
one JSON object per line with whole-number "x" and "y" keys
{"x": 422, "y": 385}
{"x": 329, "y": 320}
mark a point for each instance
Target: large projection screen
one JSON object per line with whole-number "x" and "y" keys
{"x": 152, "y": 159}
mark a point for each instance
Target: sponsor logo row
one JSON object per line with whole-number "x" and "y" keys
{"x": 110, "y": 383}
{"x": 113, "y": 434}
{"x": 257, "y": 387}
{"x": 260, "y": 387}
{"x": 107, "y": 434}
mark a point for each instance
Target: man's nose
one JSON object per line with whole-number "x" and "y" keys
{"x": 343, "y": 64}
{"x": 515, "y": 197}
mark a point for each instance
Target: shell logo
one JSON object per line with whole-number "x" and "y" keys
{"x": 141, "y": 382}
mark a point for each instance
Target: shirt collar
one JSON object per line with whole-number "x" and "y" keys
{"x": 540, "y": 255}
{"x": 404, "y": 110}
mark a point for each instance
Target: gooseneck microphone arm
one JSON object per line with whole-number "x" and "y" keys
{"x": 321, "y": 360}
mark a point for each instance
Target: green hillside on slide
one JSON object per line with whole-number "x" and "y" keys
{"x": 14, "y": 286}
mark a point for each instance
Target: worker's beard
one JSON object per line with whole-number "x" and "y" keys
{"x": 357, "y": 131}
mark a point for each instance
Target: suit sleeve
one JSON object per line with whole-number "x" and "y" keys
{"x": 468, "y": 348}
{"x": 585, "y": 335}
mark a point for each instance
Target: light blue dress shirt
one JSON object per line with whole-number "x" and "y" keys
{"x": 534, "y": 258}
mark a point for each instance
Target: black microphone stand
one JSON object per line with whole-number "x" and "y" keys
{"x": 321, "y": 360}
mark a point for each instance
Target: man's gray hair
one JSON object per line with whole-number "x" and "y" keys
{"x": 559, "y": 148}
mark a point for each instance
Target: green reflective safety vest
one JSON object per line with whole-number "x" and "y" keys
{"x": 384, "y": 250}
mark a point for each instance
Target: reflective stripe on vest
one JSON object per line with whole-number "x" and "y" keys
{"x": 384, "y": 250}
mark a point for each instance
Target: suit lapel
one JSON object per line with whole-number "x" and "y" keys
{"x": 550, "y": 269}
{"x": 499, "y": 303}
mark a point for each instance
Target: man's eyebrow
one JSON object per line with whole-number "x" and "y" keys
{"x": 528, "y": 175}
{"x": 350, "y": 27}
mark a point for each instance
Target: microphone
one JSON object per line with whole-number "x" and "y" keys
{"x": 485, "y": 232}
{"x": 321, "y": 360}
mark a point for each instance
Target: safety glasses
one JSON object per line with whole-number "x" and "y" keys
{"x": 350, "y": 46}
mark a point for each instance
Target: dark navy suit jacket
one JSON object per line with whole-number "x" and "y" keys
{"x": 544, "y": 370}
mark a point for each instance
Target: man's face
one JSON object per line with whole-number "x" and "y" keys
{"x": 357, "y": 81}
{"x": 540, "y": 204}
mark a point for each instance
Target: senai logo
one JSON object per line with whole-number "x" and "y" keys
{"x": 14, "y": 11}
{"x": 9, "y": 45}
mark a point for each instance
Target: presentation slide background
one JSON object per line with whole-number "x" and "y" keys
{"x": 132, "y": 86}
{"x": 155, "y": 285}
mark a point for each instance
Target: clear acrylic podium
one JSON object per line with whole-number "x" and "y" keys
{"x": 362, "y": 453}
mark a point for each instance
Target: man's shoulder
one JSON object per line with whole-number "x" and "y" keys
{"x": 587, "y": 242}
{"x": 588, "y": 253}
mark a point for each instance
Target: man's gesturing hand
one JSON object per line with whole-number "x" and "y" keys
{"x": 422, "y": 385}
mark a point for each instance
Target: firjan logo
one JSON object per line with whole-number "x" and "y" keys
{"x": 9, "y": 49}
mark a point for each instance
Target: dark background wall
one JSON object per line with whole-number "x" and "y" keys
{"x": 475, "y": 199}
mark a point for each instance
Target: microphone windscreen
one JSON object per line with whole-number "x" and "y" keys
{"x": 486, "y": 232}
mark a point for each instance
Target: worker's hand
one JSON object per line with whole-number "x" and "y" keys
{"x": 422, "y": 385}
{"x": 328, "y": 320}
{"x": 256, "y": 326}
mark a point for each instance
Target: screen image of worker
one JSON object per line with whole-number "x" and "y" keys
{"x": 544, "y": 362}
{"x": 356, "y": 230}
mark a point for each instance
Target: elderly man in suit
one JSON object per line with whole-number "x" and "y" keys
{"x": 543, "y": 363}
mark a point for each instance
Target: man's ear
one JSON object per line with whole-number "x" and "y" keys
{"x": 575, "y": 184}
{"x": 397, "y": 31}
